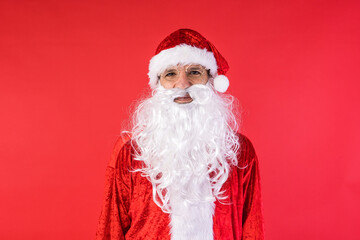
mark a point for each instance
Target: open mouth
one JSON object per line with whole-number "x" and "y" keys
{"x": 183, "y": 99}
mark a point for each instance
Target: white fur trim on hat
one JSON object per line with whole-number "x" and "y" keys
{"x": 221, "y": 83}
{"x": 181, "y": 54}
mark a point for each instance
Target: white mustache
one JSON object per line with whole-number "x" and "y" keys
{"x": 199, "y": 92}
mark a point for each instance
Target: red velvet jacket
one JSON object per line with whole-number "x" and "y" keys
{"x": 129, "y": 211}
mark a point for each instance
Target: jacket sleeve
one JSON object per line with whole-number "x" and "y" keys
{"x": 114, "y": 220}
{"x": 253, "y": 221}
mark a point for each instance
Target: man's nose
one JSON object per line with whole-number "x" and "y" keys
{"x": 183, "y": 82}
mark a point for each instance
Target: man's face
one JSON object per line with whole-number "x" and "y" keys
{"x": 182, "y": 77}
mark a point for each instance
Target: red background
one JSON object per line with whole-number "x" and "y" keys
{"x": 69, "y": 71}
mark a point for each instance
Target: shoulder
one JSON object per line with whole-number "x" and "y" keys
{"x": 246, "y": 154}
{"x": 122, "y": 141}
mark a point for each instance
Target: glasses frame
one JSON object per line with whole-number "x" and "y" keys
{"x": 204, "y": 72}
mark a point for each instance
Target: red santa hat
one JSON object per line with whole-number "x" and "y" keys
{"x": 186, "y": 46}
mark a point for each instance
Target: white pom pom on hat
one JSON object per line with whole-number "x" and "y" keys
{"x": 221, "y": 83}
{"x": 186, "y": 46}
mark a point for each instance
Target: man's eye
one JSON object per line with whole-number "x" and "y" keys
{"x": 195, "y": 72}
{"x": 170, "y": 74}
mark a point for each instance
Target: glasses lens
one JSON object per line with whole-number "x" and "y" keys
{"x": 195, "y": 72}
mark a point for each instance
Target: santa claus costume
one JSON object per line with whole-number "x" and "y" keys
{"x": 183, "y": 172}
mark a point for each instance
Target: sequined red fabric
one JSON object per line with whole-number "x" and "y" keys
{"x": 193, "y": 38}
{"x": 129, "y": 211}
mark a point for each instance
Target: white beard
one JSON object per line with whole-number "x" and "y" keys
{"x": 187, "y": 150}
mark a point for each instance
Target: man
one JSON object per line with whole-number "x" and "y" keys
{"x": 183, "y": 172}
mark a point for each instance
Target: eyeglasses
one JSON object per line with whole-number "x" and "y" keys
{"x": 195, "y": 73}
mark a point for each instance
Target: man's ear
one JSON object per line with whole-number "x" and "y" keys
{"x": 210, "y": 81}
{"x": 158, "y": 82}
